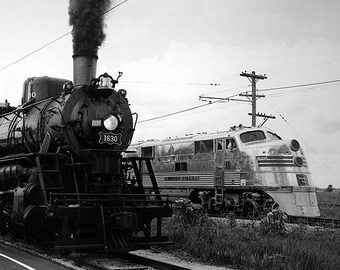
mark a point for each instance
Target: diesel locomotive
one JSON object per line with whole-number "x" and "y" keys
{"x": 62, "y": 175}
{"x": 243, "y": 171}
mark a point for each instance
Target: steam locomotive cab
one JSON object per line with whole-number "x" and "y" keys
{"x": 244, "y": 170}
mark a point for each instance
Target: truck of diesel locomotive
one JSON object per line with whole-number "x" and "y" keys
{"x": 241, "y": 171}
{"x": 62, "y": 175}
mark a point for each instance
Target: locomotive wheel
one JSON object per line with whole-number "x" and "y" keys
{"x": 5, "y": 226}
{"x": 2, "y": 222}
{"x": 11, "y": 232}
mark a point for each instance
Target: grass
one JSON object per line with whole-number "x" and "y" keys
{"x": 329, "y": 204}
{"x": 251, "y": 245}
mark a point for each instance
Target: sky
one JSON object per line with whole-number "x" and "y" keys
{"x": 171, "y": 52}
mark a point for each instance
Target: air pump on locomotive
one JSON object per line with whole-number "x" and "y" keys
{"x": 62, "y": 176}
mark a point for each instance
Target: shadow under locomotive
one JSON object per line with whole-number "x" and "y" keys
{"x": 62, "y": 176}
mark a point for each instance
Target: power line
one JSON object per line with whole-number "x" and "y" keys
{"x": 182, "y": 111}
{"x": 304, "y": 90}
{"x": 298, "y": 85}
{"x": 174, "y": 113}
{"x": 55, "y": 40}
{"x": 121, "y": 3}
{"x": 221, "y": 99}
{"x": 173, "y": 83}
{"x": 22, "y": 58}
{"x": 228, "y": 98}
{"x": 322, "y": 161}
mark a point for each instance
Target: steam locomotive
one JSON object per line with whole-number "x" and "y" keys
{"x": 62, "y": 175}
{"x": 243, "y": 171}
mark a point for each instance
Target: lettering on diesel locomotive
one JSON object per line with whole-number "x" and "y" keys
{"x": 181, "y": 178}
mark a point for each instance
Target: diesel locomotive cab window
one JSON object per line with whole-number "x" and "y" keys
{"x": 252, "y": 136}
{"x": 205, "y": 146}
{"x": 230, "y": 144}
{"x": 147, "y": 151}
{"x": 219, "y": 145}
{"x": 273, "y": 136}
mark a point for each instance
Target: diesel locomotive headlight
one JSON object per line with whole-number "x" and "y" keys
{"x": 298, "y": 161}
{"x": 111, "y": 122}
{"x": 294, "y": 145}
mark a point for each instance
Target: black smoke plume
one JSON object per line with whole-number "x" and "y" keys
{"x": 87, "y": 19}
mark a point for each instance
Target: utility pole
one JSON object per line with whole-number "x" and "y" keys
{"x": 253, "y": 78}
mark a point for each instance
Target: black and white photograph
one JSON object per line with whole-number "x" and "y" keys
{"x": 158, "y": 134}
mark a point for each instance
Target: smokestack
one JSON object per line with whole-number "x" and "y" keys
{"x": 84, "y": 68}
{"x": 87, "y": 19}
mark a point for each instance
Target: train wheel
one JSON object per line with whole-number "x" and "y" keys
{"x": 2, "y": 222}
{"x": 6, "y": 228}
{"x": 212, "y": 204}
{"x": 2, "y": 226}
{"x": 268, "y": 207}
{"x": 12, "y": 233}
{"x": 249, "y": 209}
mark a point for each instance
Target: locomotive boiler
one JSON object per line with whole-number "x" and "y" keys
{"x": 62, "y": 175}
{"x": 242, "y": 171}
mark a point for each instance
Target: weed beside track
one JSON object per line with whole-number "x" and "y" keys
{"x": 252, "y": 245}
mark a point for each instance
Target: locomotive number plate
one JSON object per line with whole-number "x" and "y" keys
{"x": 110, "y": 138}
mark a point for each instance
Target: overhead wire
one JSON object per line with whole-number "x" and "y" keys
{"x": 309, "y": 89}
{"x": 182, "y": 111}
{"x": 221, "y": 99}
{"x": 282, "y": 117}
{"x": 35, "y": 51}
{"x": 173, "y": 113}
{"x": 292, "y": 128}
{"x": 174, "y": 83}
{"x": 298, "y": 85}
{"x": 188, "y": 109}
{"x": 55, "y": 40}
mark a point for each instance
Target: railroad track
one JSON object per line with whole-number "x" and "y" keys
{"x": 315, "y": 221}
{"x": 151, "y": 262}
{"x": 332, "y": 223}
{"x": 134, "y": 262}
{"x": 331, "y": 205}
{"x": 94, "y": 261}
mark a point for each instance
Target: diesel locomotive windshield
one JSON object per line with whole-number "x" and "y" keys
{"x": 258, "y": 135}
{"x": 251, "y": 136}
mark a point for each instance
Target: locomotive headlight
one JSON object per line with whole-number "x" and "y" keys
{"x": 298, "y": 161}
{"x": 294, "y": 145}
{"x": 111, "y": 122}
